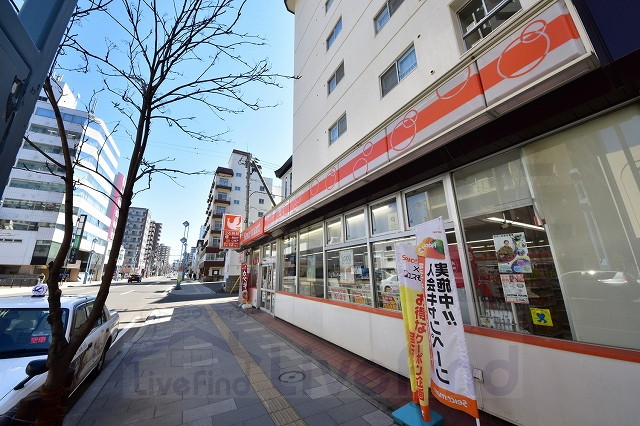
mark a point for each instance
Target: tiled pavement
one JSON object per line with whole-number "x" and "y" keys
{"x": 216, "y": 364}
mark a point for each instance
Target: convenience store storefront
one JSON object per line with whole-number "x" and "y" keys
{"x": 543, "y": 225}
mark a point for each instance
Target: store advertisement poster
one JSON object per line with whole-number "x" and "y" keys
{"x": 414, "y": 316}
{"x": 514, "y": 288}
{"x": 347, "y": 274}
{"x": 451, "y": 375}
{"x": 231, "y": 227}
{"x": 512, "y": 253}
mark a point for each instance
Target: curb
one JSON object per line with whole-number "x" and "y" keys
{"x": 74, "y": 416}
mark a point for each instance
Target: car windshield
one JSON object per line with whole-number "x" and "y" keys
{"x": 25, "y": 331}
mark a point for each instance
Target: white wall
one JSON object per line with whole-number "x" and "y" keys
{"x": 525, "y": 384}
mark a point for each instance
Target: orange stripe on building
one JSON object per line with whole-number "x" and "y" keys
{"x": 531, "y": 49}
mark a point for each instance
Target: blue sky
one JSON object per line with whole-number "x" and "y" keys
{"x": 266, "y": 133}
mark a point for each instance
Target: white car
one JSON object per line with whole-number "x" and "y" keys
{"x": 25, "y": 337}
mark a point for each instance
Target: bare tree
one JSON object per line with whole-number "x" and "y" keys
{"x": 174, "y": 55}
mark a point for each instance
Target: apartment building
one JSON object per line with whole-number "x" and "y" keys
{"x": 136, "y": 241}
{"x": 32, "y": 212}
{"x": 236, "y": 189}
{"x": 515, "y": 122}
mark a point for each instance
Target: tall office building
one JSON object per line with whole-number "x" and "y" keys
{"x": 31, "y": 216}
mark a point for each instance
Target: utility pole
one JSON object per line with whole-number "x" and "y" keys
{"x": 246, "y": 207}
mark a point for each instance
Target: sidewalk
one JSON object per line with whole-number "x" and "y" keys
{"x": 216, "y": 364}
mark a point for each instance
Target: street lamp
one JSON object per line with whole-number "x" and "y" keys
{"x": 183, "y": 240}
{"x": 88, "y": 268}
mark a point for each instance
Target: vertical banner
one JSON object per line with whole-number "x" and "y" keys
{"x": 414, "y": 316}
{"x": 77, "y": 238}
{"x": 244, "y": 284}
{"x": 451, "y": 376}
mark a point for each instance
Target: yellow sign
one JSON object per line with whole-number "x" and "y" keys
{"x": 541, "y": 317}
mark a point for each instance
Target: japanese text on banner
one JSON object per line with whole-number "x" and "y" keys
{"x": 451, "y": 378}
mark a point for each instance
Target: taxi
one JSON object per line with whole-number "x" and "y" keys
{"x": 25, "y": 337}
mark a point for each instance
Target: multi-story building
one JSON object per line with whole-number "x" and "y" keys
{"x": 31, "y": 216}
{"x": 151, "y": 255}
{"x": 236, "y": 189}
{"x": 162, "y": 259}
{"x": 512, "y": 121}
{"x": 135, "y": 241}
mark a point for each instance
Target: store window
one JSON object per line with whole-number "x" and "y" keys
{"x": 334, "y": 230}
{"x": 586, "y": 182}
{"x": 426, "y": 203}
{"x": 348, "y": 276}
{"x": 384, "y": 216}
{"x": 355, "y": 225}
{"x": 289, "y": 250}
{"x": 513, "y": 270}
{"x": 311, "y": 266}
{"x": 479, "y": 17}
{"x": 385, "y": 276}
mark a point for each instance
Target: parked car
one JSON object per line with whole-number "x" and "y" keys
{"x": 135, "y": 277}
{"x": 25, "y": 337}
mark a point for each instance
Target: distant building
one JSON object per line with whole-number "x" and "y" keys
{"x": 135, "y": 239}
{"x": 32, "y": 212}
{"x": 153, "y": 239}
{"x": 162, "y": 259}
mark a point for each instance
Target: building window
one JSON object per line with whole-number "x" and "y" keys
{"x": 338, "y": 128}
{"x": 479, "y": 17}
{"x": 426, "y": 203}
{"x": 399, "y": 70}
{"x": 355, "y": 225}
{"x": 237, "y": 188}
{"x": 238, "y": 174}
{"x": 260, "y": 200}
{"x": 327, "y": 5}
{"x": 334, "y": 33}
{"x": 311, "y": 269}
{"x": 389, "y": 8}
{"x": 335, "y": 78}
{"x": 289, "y": 252}
{"x": 384, "y": 217}
{"x": 334, "y": 230}
{"x": 236, "y": 202}
{"x": 348, "y": 275}
{"x": 223, "y": 182}
{"x": 260, "y": 214}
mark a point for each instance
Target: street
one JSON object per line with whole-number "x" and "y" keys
{"x": 138, "y": 304}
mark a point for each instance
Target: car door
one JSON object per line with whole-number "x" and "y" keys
{"x": 90, "y": 349}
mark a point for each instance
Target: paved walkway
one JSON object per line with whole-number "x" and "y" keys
{"x": 216, "y": 364}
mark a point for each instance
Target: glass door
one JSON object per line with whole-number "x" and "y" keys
{"x": 267, "y": 286}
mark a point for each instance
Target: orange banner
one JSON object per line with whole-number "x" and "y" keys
{"x": 414, "y": 315}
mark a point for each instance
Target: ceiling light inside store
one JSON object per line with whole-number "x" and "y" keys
{"x": 514, "y": 223}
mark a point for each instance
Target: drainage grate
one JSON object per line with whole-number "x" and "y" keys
{"x": 291, "y": 377}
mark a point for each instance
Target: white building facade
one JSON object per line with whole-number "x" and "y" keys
{"x": 236, "y": 189}
{"x": 514, "y": 121}
{"x": 31, "y": 216}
